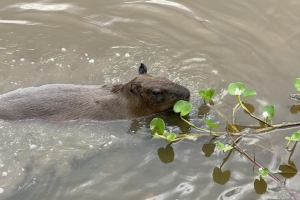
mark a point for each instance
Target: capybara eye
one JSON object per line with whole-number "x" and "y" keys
{"x": 156, "y": 92}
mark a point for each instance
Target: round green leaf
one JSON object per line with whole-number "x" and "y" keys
{"x": 264, "y": 171}
{"x": 295, "y": 136}
{"x": 297, "y": 83}
{"x": 236, "y": 88}
{"x": 249, "y": 93}
{"x": 210, "y": 92}
{"x": 182, "y": 107}
{"x": 268, "y": 111}
{"x": 157, "y": 125}
{"x": 207, "y": 94}
{"x": 171, "y": 136}
{"x": 202, "y": 94}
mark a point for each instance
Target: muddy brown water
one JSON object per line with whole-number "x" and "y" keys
{"x": 197, "y": 43}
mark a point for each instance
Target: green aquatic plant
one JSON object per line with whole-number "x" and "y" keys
{"x": 209, "y": 123}
{"x": 158, "y": 129}
{"x": 297, "y": 84}
{"x": 260, "y": 184}
{"x": 238, "y": 89}
{"x": 295, "y": 138}
{"x": 182, "y": 107}
{"x": 262, "y": 171}
{"x": 207, "y": 94}
{"x": 157, "y": 126}
{"x": 223, "y": 147}
{"x": 268, "y": 112}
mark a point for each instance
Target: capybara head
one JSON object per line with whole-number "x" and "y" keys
{"x": 153, "y": 93}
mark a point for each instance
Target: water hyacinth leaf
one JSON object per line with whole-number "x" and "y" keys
{"x": 209, "y": 123}
{"x": 236, "y": 88}
{"x": 249, "y": 93}
{"x": 207, "y": 94}
{"x": 157, "y": 125}
{"x": 182, "y": 107}
{"x": 297, "y": 83}
{"x": 171, "y": 136}
{"x": 268, "y": 111}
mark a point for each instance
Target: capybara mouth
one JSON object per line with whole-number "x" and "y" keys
{"x": 186, "y": 95}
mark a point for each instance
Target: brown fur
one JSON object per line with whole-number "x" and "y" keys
{"x": 144, "y": 95}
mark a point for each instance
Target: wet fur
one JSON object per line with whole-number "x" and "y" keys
{"x": 144, "y": 95}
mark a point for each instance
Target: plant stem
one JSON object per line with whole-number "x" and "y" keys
{"x": 233, "y": 111}
{"x": 196, "y": 127}
{"x": 244, "y": 107}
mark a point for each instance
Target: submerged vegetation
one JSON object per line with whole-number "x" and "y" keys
{"x": 237, "y": 89}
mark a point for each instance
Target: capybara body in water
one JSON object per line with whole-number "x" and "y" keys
{"x": 144, "y": 95}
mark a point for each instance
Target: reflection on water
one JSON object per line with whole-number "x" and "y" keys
{"x": 166, "y": 155}
{"x": 199, "y": 44}
{"x": 43, "y": 7}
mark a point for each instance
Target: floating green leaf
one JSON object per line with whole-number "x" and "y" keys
{"x": 182, "y": 107}
{"x": 263, "y": 171}
{"x": 227, "y": 147}
{"x": 223, "y": 147}
{"x": 268, "y": 111}
{"x": 295, "y": 137}
{"x": 249, "y": 93}
{"x": 220, "y": 145}
{"x": 171, "y": 136}
{"x": 297, "y": 83}
{"x": 209, "y": 123}
{"x": 157, "y": 125}
{"x": 207, "y": 94}
{"x": 236, "y": 88}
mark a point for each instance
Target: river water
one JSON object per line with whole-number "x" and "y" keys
{"x": 199, "y": 44}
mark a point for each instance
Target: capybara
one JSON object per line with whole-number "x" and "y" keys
{"x": 142, "y": 96}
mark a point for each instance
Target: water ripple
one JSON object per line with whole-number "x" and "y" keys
{"x": 20, "y": 22}
{"x": 44, "y": 7}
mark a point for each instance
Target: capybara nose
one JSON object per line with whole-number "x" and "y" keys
{"x": 186, "y": 95}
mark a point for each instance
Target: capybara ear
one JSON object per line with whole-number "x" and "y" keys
{"x": 142, "y": 69}
{"x": 136, "y": 88}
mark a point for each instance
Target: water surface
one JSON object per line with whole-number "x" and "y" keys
{"x": 199, "y": 44}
